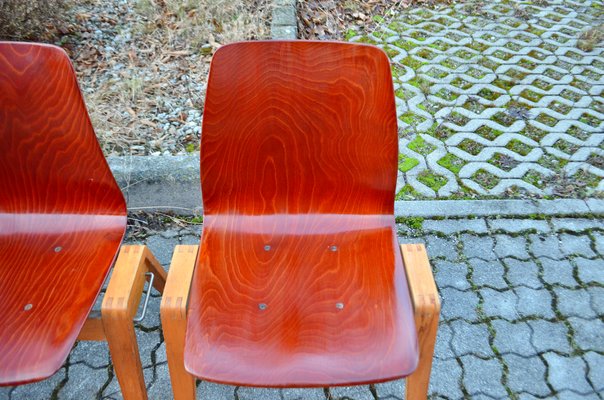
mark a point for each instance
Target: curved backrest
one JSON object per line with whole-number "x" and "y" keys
{"x": 50, "y": 160}
{"x": 299, "y": 127}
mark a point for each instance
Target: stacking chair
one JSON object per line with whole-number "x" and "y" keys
{"x": 62, "y": 219}
{"x": 299, "y": 280}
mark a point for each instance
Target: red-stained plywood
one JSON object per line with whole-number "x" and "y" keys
{"x": 299, "y": 279}
{"x": 62, "y": 215}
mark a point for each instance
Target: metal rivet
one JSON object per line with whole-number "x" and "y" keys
{"x": 267, "y": 247}
{"x": 262, "y": 306}
{"x": 28, "y": 307}
{"x": 333, "y": 248}
{"x": 339, "y": 306}
{"x": 58, "y": 248}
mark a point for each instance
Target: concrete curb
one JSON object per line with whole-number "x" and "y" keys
{"x": 284, "y": 23}
{"x": 171, "y": 183}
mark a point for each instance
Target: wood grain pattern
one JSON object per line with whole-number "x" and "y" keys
{"x": 62, "y": 216}
{"x": 299, "y": 279}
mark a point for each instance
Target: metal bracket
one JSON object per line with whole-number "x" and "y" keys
{"x": 142, "y": 316}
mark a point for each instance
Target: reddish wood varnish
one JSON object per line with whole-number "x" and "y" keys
{"x": 299, "y": 278}
{"x": 62, "y": 216}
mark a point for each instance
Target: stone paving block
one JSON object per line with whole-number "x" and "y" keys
{"x": 215, "y": 391}
{"x": 83, "y": 382}
{"x": 391, "y": 390}
{"x": 446, "y": 379}
{"x": 590, "y": 271}
{"x": 549, "y": 336}
{"x": 162, "y": 386}
{"x": 113, "y": 391}
{"x": 94, "y": 354}
{"x": 458, "y": 304}
{"x": 352, "y": 392}
{"x": 479, "y": 247}
{"x": 499, "y": 304}
{"x": 597, "y": 299}
{"x": 558, "y": 271}
{"x": 570, "y": 395}
{"x": 302, "y": 394}
{"x": 545, "y": 246}
{"x": 162, "y": 248}
{"x": 483, "y": 376}
{"x": 510, "y": 246}
{"x": 575, "y": 224}
{"x": 518, "y": 225}
{"x": 599, "y": 242}
{"x": 189, "y": 240}
{"x": 488, "y": 273}
{"x": 249, "y": 393}
{"x": 567, "y": 373}
{"x": 534, "y": 302}
{"x": 574, "y": 303}
{"x": 441, "y": 247}
{"x": 595, "y": 362}
{"x": 39, "y": 390}
{"x": 589, "y": 334}
{"x": 522, "y": 273}
{"x": 526, "y": 374}
{"x": 152, "y": 317}
{"x": 576, "y": 245}
{"x": 513, "y": 338}
{"x": 148, "y": 342}
{"x": 451, "y": 274}
{"x": 443, "y": 348}
{"x": 451, "y": 226}
{"x": 470, "y": 339}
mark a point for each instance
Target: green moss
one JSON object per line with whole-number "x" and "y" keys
{"x": 350, "y": 34}
{"x": 391, "y": 51}
{"x": 412, "y": 222}
{"x": 452, "y": 163}
{"x": 190, "y": 148}
{"x": 432, "y": 180}
{"x": 420, "y": 146}
{"x": 470, "y": 146}
{"x": 518, "y": 147}
{"x": 503, "y": 161}
{"x": 404, "y": 44}
{"x": 552, "y": 162}
{"x": 488, "y": 94}
{"x": 407, "y": 193}
{"x": 488, "y": 132}
{"x": 485, "y": 179}
{"x": 535, "y": 179}
{"x": 406, "y": 163}
{"x": 568, "y": 148}
{"x": 412, "y": 62}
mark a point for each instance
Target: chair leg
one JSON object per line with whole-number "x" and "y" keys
{"x": 174, "y": 319}
{"x": 117, "y": 312}
{"x": 426, "y": 305}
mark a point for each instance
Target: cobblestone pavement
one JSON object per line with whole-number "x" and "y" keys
{"x": 497, "y": 98}
{"x": 522, "y": 317}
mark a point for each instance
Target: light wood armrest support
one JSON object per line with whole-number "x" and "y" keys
{"x": 426, "y": 306}
{"x": 174, "y": 319}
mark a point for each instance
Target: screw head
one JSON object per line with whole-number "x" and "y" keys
{"x": 28, "y": 307}
{"x": 333, "y": 248}
{"x": 267, "y": 247}
{"x": 262, "y": 306}
{"x": 340, "y": 306}
{"x": 58, "y": 249}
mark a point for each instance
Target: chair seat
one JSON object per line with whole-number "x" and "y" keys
{"x": 300, "y": 301}
{"x": 52, "y": 268}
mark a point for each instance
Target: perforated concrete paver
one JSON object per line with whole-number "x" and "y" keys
{"x": 496, "y": 97}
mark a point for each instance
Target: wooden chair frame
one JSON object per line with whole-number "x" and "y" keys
{"x": 120, "y": 304}
{"x": 423, "y": 290}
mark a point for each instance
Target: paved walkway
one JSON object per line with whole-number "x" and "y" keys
{"x": 522, "y": 317}
{"x": 495, "y": 98}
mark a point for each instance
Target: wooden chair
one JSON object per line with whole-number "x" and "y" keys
{"x": 62, "y": 219}
{"x": 299, "y": 280}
